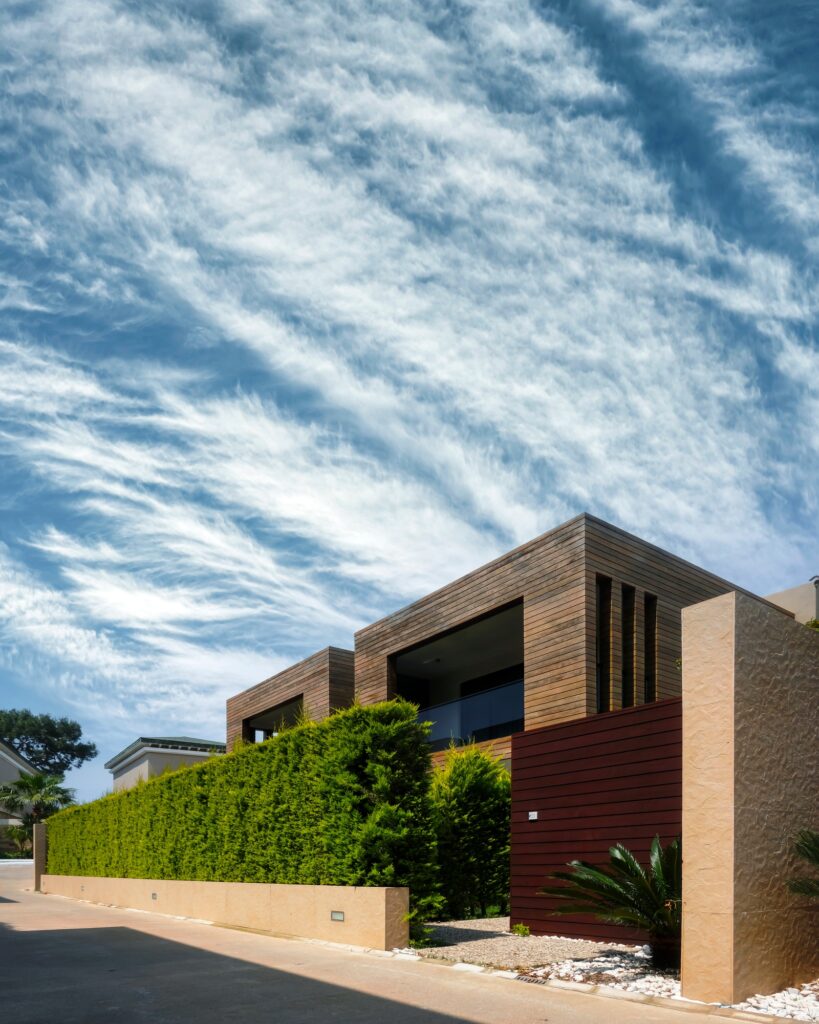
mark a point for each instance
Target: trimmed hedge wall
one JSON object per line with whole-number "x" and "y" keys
{"x": 341, "y": 802}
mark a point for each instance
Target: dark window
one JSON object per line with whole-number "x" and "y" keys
{"x": 485, "y": 715}
{"x": 651, "y": 648}
{"x": 603, "y": 643}
{"x": 627, "y": 615}
{"x": 468, "y": 681}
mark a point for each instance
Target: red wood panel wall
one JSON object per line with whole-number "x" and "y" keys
{"x": 609, "y": 778}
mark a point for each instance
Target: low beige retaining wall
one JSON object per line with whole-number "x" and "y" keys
{"x": 360, "y": 916}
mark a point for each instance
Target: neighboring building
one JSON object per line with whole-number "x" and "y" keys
{"x": 12, "y": 766}
{"x": 803, "y": 600}
{"x": 153, "y": 755}
{"x": 582, "y": 620}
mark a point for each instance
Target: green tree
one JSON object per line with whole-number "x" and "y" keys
{"x": 51, "y": 745}
{"x": 806, "y": 845}
{"x": 32, "y": 799}
{"x": 471, "y": 799}
{"x": 626, "y": 893}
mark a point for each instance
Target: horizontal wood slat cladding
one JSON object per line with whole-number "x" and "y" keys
{"x": 325, "y": 681}
{"x": 609, "y": 778}
{"x": 613, "y": 553}
{"x": 548, "y": 575}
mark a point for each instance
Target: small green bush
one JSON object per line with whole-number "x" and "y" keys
{"x": 521, "y": 929}
{"x": 341, "y": 802}
{"x": 471, "y": 798}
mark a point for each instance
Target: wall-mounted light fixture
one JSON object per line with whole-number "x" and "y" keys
{"x": 532, "y": 815}
{"x": 336, "y": 915}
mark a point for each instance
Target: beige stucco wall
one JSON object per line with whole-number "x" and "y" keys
{"x": 373, "y": 917}
{"x": 750, "y": 781}
{"x": 155, "y": 764}
{"x": 801, "y": 600}
{"x": 8, "y": 772}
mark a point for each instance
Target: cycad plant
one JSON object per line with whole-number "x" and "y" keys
{"x": 624, "y": 892}
{"x": 806, "y": 845}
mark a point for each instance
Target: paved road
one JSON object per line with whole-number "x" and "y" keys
{"x": 64, "y": 962}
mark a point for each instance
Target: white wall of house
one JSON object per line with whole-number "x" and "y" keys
{"x": 154, "y": 761}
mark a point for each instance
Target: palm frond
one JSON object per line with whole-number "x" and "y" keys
{"x": 624, "y": 891}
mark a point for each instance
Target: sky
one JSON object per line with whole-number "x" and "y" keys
{"x": 307, "y": 309}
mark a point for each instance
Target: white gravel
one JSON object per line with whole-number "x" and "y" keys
{"x": 629, "y": 970}
{"x": 489, "y": 943}
{"x": 792, "y": 1004}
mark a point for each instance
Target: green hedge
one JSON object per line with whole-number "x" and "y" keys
{"x": 341, "y": 802}
{"x": 471, "y": 800}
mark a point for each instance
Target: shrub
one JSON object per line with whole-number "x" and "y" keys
{"x": 626, "y": 893}
{"x": 521, "y": 929}
{"x": 341, "y": 802}
{"x": 471, "y": 810}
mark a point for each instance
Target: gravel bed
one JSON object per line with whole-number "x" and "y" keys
{"x": 489, "y": 942}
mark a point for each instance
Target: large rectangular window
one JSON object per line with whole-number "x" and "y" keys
{"x": 627, "y": 651}
{"x": 650, "y": 643}
{"x": 603, "y": 630}
{"x": 468, "y": 682}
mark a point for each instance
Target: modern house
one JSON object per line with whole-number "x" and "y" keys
{"x": 152, "y": 755}
{"x": 12, "y": 766}
{"x": 584, "y": 619}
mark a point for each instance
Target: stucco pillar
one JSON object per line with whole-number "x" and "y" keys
{"x": 40, "y": 853}
{"x": 750, "y": 782}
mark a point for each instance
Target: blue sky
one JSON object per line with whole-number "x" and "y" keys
{"x": 307, "y": 309}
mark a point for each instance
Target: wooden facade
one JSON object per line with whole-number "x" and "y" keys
{"x": 555, "y": 576}
{"x": 592, "y": 783}
{"x": 324, "y": 682}
{"x": 548, "y": 575}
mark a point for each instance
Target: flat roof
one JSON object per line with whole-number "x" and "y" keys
{"x": 10, "y": 754}
{"x": 183, "y": 743}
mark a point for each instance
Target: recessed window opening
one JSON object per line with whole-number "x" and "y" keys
{"x": 271, "y": 722}
{"x": 650, "y": 641}
{"x": 627, "y": 660}
{"x": 469, "y": 681}
{"x": 603, "y": 643}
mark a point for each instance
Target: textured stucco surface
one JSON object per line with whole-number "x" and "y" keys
{"x": 750, "y": 781}
{"x": 776, "y": 791}
{"x": 707, "y": 806}
{"x": 373, "y": 917}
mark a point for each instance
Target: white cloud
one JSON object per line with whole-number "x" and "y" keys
{"x": 449, "y": 295}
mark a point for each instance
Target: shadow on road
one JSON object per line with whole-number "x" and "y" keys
{"x": 122, "y": 976}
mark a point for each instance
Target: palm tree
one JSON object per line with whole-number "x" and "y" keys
{"x": 806, "y": 845}
{"x": 32, "y": 798}
{"x": 625, "y": 893}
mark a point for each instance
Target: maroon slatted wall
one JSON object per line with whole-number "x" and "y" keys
{"x": 596, "y": 781}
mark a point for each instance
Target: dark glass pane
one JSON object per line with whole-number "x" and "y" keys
{"x": 483, "y": 716}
